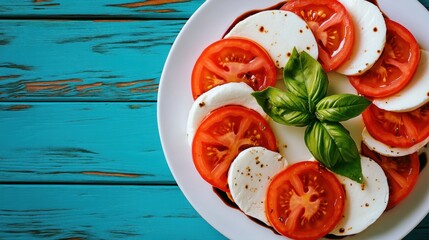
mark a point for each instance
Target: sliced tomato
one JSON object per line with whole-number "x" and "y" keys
{"x": 233, "y": 60}
{"x": 305, "y": 201}
{"x": 401, "y": 173}
{"x": 395, "y": 67}
{"x": 222, "y": 135}
{"x": 397, "y": 129}
{"x": 332, "y": 26}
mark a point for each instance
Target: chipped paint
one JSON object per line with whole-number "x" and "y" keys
{"x": 16, "y": 66}
{"x": 50, "y": 85}
{"x": 134, "y": 106}
{"x": 132, "y": 83}
{"x": 111, "y": 174}
{"x": 145, "y": 89}
{"x": 18, "y": 107}
{"x": 9, "y": 77}
{"x": 159, "y": 11}
{"x": 87, "y": 86}
{"x": 148, "y": 3}
{"x": 39, "y": 1}
{"x": 48, "y": 5}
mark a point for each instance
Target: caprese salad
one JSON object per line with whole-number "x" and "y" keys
{"x": 276, "y": 101}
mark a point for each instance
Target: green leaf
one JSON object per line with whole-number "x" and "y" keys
{"x": 331, "y": 144}
{"x": 340, "y": 107}
{"x": 305, "y": 77}
{"x": 284, "y": 107}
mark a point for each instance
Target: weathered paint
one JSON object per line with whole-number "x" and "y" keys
{"x": 9, "y": 76}
{"x": 148, "y": 3}
{"x": 53, "y": 85}
{"x": 99, "y": 212}
{"x": 18, "y": 107}
{"x": 137, "y": 9}
{"x": 85, "y": 67}
{"x": 58, "y": 142}
{"x": 87, "y": 86}
{"x": 87, "y": 61}
{"x": 113, "y": 174}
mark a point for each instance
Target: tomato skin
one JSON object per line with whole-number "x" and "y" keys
{"x": 395, "y": 67}
{"x": 222, "y": 135}
{"x": 332, "y": 26}
{"x": 305, "y": 201}
{"x": 397, "y": 129}
{"x": 401, "y": 172}
{"x": 233, "y": 60}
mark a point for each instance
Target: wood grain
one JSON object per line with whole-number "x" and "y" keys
{"x": 98, "y": 9}
{"x": 99, "y": 212}
{"x": 83, "y": 60}
{"x": 81, "y": 142}
{"x": 135, "y": 9}
{"x": 80, "y": 156}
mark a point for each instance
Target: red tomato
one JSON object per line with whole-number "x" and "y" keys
{"x": 233, "y": 60}
{"x": 222, "y": 135}
{"x": 395, "y": 67}
{"x": 305, "y": 201}
{"x": 397, "y": 129}
{"x": 332, "y": 26}
{"x": 401, "y": 173}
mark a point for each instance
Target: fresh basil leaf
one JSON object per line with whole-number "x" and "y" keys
{"x": 340, "y": 107}
{"x": 284, "y": 107}
{"x": 305, "y": 77}
{"x": 331, "y": 144}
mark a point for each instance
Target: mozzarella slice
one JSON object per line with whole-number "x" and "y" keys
{"x": 249, "y": 176}
{"x": 414, "y": 95}
{"x": 278, "y": 32}
{"x": 222, "y": 95}
{"x": 389, "y": 151}
{"x": 364, "y": 202}
{"x": 370, "y": 36}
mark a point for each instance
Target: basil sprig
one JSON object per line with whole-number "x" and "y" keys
{"x": 284, "y": 107}
{"x": 305, "y": 103}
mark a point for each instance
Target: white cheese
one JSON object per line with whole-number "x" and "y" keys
{"x": 370, "y": 36}
{"x": 222, "y": 95}
{"x": 249, "y": 176}
{"x": 278, "y": 32}
{"x": 389, "y": 151}
{"x": 364, "y": 202}
{"x": 414, "y": 95}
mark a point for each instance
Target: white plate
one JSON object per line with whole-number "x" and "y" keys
{"x": 207, "y": 25}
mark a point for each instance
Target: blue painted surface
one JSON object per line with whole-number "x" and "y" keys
{"x": 80, "y": 155}
{"x": 98, "y": 212}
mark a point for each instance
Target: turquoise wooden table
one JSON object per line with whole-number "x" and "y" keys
{"x": 80, "y": 155}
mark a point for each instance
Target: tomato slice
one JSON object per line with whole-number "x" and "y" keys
{"x": 395, "y": 67}
{"x": 397, "y": 129}
{"x": 233, "y": 60}
{"x": 305, "y": 201}
{"x": 401, "y": 172}
{"x": 222, "y": 135}
{"x": 332, "y": 26}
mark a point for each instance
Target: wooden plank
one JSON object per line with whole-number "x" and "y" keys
{"x": 98, "y": 212}
{"x": 104, "y": 212}
{"x": 81, "y": 142}
{"x": 83, "y": 60}
{"x": 99, "y": 8}
{"x": 105, "y": 8}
